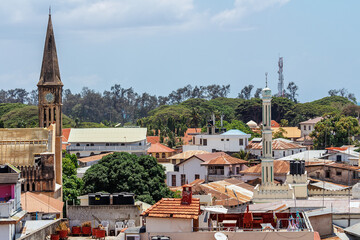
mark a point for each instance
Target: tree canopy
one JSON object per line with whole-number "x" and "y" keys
{"x": 335, "y": 130}
{"x": 124, "y": 172}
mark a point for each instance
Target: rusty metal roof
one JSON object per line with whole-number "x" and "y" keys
{"x": 172, "y": 208}
{"x": 276, "y": 145}
{"x": 280, "y": 168}
{"x": 159, "y": 148}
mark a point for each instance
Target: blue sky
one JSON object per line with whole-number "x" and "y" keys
{"x": 157, "y": 46}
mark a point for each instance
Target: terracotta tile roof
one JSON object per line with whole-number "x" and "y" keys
{"x": 172, "y": 208}
{"x": 208, "y": 156}
{"x": 276, "y": 145}
{"x": 159, "y": 148}
{"x": 153, "y": 139}
{"x": 337, "y": 148}
{"x": 65, "y": 134}
{"x": 274, "y": 124}
{"x": 192, "y": 131}
{"x": 224, "y": 159}
{"x": 312, "y": 121}
{"x": 187, "y": 154}
{"x": 280, "y": 168}
{"x": 38, "y": 202}
{"x": 193, "y": 183}
{"x": 94, "y": 157}
{"x": 290, "y": 132}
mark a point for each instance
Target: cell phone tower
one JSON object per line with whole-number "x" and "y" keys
{"x": 281, "y": 78}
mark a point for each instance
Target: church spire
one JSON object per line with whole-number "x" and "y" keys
{"x": 50, "y": 73}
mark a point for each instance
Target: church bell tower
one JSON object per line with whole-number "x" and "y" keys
{"x": 50, "y": 95}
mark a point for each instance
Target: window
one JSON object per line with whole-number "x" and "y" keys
{"x": 183, "y": 177}
{"x": 327, "y": 173}
{"x": 292, "y": 152}
{"x": 193, "y": 140}
{"x": 205, "y": 142}
{"x": 173, "y": 161}
{"x": 284, "y": 153}
{"x": 237, "y": 170}
{"x": 305, "y": 128}
{"x": 173, "y": 180}
{"x": 163, "y": 155}
{"x": 139, "y": 143}
{"x": 107, "y": 144}
{"x": 78, "y": 144}
{"x": 222, "y": 139}
{"x": 200, "y": 141}
{"x": 241, "y": 142}
{"x": 338, "y": 173}
{"x": 157, "y": 155}
{"x": 91, "y": 144}
{"x": 309, "y": 128}
{"x": 273, "y": 153}
{"x": 338, "y": 158}
{"x": 227, "y": 140}
{"x": 87, "y": 145}
{"x": 197, "y": 176}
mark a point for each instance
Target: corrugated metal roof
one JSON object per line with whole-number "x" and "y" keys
{"x": 276, "y": 145}
{"x": 280, "y": 167}
{"x": 353, "y": 230}
{"x": 107, "y": 135}
{"x": 328, "y": 186}
{"x": 290, "y": 132}
{"x": 312, "y": 121}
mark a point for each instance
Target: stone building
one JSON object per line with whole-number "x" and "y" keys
{"x": 37, "y": 151}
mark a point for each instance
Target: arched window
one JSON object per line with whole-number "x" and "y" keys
{"x": 78, "y": 144}
{"x": 157, "y": 155}
{"x": 27, "y": 187}
{"x": 33, "y": 187}
{"x": 163, "y": 155}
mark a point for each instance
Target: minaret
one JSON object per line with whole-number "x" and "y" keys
{"x": 50, "y": 96}
{"x": 281, "y": 78}
{"x": 267, "y": 162}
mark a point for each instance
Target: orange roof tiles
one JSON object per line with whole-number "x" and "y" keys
{"x": 224, "y": 159}
{"x": 172, "y": 208}
{"x": 276, "y": 145}
{"x": 274, "y": 124}
{"x": 94, "y": 157}
{"x": 280, "y": 168}
{"x": 337, "y": 148}
{"x": 153, "y": 139}
{"x": 159, "y": 148}
{"x": 37, "y": 202}
{"x": 65, "y": 134}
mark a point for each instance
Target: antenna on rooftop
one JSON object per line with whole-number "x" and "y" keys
{"x": 50, "y": 10}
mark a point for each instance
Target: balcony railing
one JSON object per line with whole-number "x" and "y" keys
{"x": 126, "y": 148}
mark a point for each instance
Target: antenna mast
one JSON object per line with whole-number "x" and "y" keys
{"x": 281, "y": 78}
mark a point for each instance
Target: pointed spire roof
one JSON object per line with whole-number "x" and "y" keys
{"x": 50, "y": 73}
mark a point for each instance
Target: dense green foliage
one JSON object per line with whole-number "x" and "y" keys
{"x": 124, "y": 172}
{"x": 72, "y": 185}
{"x": 18, "y": 115}
{"x": 335, "y": 130}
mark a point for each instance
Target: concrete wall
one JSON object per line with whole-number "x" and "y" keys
{"x": 112, "y": 213}
{"x": 42, "y": 232}
{"x": 168, "y": 225}
{"x": 306, "y": 129}
{"x": 319, "y": 172}
{"x": 279, "y": 153}
{"x": 256, "y": 235}
{"x": 322, "y": 224}
{"x": 5, "y": 232}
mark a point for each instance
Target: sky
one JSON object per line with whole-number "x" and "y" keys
{"x": 157, "y": 46}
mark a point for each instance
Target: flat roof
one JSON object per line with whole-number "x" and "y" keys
{"x": 107, "y": 135}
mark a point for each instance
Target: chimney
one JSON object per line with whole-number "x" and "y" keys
{"x": 186, "y": 195}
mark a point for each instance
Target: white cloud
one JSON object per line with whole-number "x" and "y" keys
{"x": 243, "y": 8}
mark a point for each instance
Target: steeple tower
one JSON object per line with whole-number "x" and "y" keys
{"x": 267, "y": 162}
{"x": 50, "y": 95}
{"x": 50, "y": 85}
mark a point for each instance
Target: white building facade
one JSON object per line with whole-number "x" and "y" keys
{"x": 91, "y": 141}
{"x": 231, "y": 141}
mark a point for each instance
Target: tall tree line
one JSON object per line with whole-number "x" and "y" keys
{"x": 117, "y": 105}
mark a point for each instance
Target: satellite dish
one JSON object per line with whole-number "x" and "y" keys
{"x": 220, "y": 236}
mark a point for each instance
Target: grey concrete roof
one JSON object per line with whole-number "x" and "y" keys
{"x": 305, "y": 155}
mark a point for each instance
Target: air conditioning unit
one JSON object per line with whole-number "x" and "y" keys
{"x": 132, "y": 237}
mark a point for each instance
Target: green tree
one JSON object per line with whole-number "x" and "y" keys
{"x": 72, "y": 185}
{"x": 279, "y": 133}
{"x": 124, "y": 172}
{"x": 335, "y": 130}
{"x": 284, "y": 123}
